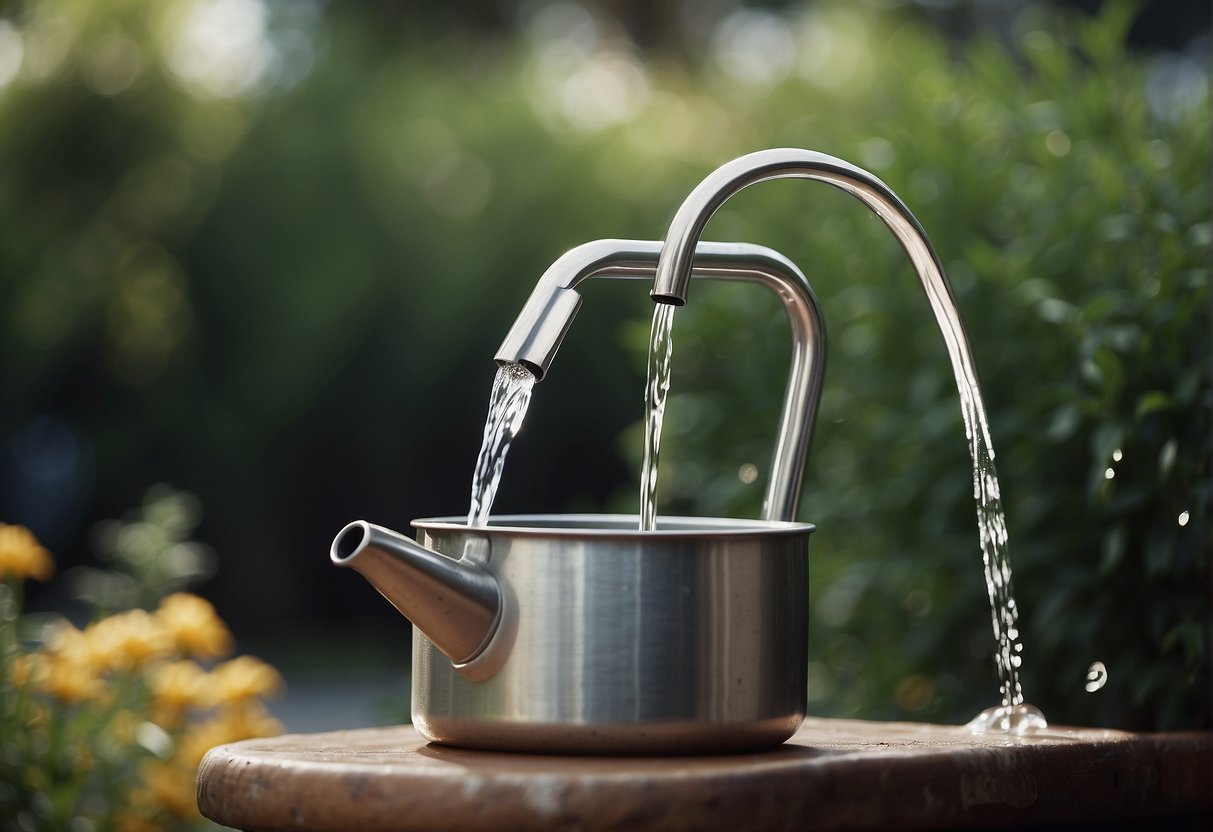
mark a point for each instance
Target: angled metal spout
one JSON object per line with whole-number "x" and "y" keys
{"x": 456, "y": 603}
{"x": 677, "y": 256}
{"x": 547, "y": 315}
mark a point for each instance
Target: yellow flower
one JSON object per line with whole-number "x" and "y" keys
{"x": 22, "y": 556}
{"x": 194, "y": 626}
{"x": 175, "y": 687}
{"x": 240, "y": 679}
{"x": 201, "y": 738}
{"x": 198, "y": 739}
{"x": 240, "y": 722}
{"x": 247, "y": 720}
{"x": 22, "y": 670}
{"x": 68, "y": 669}
{"x": 69, "y": 644}
{"x": 127, "y": 640}
{"x": 168, "y": 786}
{"x": 68, "y": 681}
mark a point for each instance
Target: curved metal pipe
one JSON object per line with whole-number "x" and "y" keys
{"x": 674, "y": 267}
{"x": 545, "y": 319}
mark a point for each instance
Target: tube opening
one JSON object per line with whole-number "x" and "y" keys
{"x": 531, "y": 367}
{"x": 672, "y": 300}
{"x": 349, "y": 542}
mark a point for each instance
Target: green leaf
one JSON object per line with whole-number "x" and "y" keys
{"x": 1154, "y": 402}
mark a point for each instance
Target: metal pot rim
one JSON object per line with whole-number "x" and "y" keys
{"x": 615, "y": 527}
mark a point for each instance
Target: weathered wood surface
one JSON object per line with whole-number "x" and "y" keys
{"x": 834, "y": 774}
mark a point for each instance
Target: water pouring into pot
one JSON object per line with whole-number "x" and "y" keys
{"x": 639, "y": 634}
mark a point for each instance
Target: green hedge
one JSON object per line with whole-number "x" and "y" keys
{"x": 1071, "y": 208}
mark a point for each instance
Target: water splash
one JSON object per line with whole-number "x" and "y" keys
{"x": 1009, "y": 719}
{"x": 661, "y": 349}
{"x": 507, "y": 408}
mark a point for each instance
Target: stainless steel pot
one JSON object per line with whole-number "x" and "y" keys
{"x": 690, "y": 638}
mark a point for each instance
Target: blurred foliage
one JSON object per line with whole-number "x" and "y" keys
{"x": 104, "y": 727}
{"x": 1074, "y": 221}
{"x": 266, "y": 250}
{"x": 149, "y": 554}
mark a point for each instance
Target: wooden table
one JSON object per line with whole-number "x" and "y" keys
{"x": 834, "y": 774}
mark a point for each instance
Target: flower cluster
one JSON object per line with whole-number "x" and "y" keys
{"x": 22, "y": 556}
{"x": 107, "y": 724}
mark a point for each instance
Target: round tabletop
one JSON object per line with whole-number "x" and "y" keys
{"x": 833, "y": 774}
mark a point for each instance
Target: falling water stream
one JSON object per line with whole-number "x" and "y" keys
{"x": 661, "y": 348}
{"x": 1013, "y": 716}
{"x": 507, "y": 408}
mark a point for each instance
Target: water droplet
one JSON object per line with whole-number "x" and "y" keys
{"x": 1183, "y": 518}
{"x": 1097, "y": 676}
{"x": 1108, "y": 474}
{"x": 1117, "y": 455}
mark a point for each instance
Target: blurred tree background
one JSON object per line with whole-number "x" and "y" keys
{"x": 264, "y": 250}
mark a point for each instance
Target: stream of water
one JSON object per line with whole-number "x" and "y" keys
{"x": 661, "y": 348}
{"x": 507, "y": 408}
{"x": 1013, "y": 715}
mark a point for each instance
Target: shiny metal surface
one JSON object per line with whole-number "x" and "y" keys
{"x": 689, "y": 638}
{"x": 547, "y": 315}
{"x": 453, "y": 599}
{"x": 675, "y": 264}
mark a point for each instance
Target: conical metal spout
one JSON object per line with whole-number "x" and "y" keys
{"x": 455, "y": 603}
